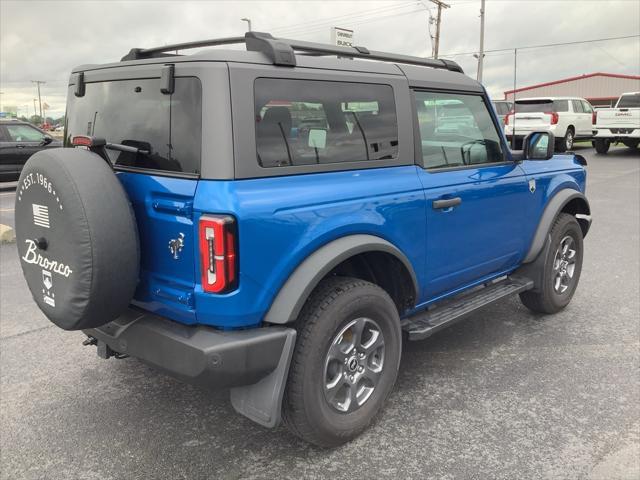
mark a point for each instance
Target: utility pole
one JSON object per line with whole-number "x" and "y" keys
{"x": 481, "y": 55}
{"x": 34, "y": 107}
{"x": 440, "y": 5}
{"x": 38, "y": 82}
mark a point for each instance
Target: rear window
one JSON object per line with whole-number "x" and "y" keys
{"x": 502, "y": 108}
{"x": 528, "y": 106}
{"x": 306, "y": 122}
{"x": 629, "y": 101}
{"x": 136, "y": 113}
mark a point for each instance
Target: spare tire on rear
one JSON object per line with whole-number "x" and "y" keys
{"x": 77, "y": 238}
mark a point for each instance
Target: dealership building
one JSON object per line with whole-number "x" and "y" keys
{"x": 600, "y": 89}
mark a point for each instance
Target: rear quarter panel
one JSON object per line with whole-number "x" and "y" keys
{"x": 282, "y": 220}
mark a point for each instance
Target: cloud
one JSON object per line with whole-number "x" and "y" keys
{"x": 44, "y": 39}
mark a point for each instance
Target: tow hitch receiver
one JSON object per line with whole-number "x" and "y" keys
{"x": 104, "y": 351}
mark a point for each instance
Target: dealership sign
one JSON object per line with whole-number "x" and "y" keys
{"x": 342, "y": 37}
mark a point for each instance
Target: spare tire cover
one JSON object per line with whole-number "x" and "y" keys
{"x": 77, "y": 238}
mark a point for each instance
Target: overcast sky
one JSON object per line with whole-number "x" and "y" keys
{"x": 43, "y": 40}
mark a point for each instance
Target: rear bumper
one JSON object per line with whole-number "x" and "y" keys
{"x": 196, "y": 354}
{"x": 614, "y": 133}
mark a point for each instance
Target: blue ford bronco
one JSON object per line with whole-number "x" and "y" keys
{"x": 276, "y": 220}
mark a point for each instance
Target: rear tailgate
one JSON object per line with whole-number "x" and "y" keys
{"x": 160, "y": 180}
{"x": 618, "y": 117}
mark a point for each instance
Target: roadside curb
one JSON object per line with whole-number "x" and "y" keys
{"x": 7, "y": 234}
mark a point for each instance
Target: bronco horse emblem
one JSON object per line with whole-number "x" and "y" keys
{"x": 176, "y": 245}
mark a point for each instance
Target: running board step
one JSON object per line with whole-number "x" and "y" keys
{"x": 426, "y": 323}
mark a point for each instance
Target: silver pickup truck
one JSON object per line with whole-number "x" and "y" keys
{"x": 618, "y": 124}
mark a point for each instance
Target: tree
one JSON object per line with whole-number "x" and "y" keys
{"x": 35, "y": 119}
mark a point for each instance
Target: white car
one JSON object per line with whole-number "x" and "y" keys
{"x": 568, "y": 118}
{"x": 618, "y": 124}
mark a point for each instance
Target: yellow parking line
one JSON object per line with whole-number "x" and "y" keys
{"x": 6, "y": 209}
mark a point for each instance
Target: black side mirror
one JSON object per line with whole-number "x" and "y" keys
{"x": 47, "y": 140}
{"x": 538, "y": 146}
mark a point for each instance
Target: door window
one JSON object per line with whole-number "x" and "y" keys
{"x": 577, "y": 106}
{"x": 456, "y": 130}
{"x": 304, "y": 122}
{"x": 24, "y": 133}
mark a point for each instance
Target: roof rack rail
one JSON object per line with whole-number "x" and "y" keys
{"x": 281, "y": 51}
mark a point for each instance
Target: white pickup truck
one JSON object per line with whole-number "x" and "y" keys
{"x": 618, "y": 124}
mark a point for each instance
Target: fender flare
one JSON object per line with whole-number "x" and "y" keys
{"x": 551, "y": 211}
{"x": 295, "y": 291}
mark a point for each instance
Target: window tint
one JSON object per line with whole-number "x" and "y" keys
{"x": 304, "y": 122}
{"x": 24, "y": 133}
{"x": 631, "y": 100}
{"x": 577, "y": 106}
{"x": 586, "y": 107}
{"x": 136, "y": 113}
{"x": 456, "y": 130}
{"x": 542, "y": 105}
{"x": 560, "y": 105}
{"x": 502, "y": 108}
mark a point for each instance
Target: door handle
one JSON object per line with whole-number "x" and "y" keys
{"x": 19, "y": 146}
{"x": 446, "y": 203}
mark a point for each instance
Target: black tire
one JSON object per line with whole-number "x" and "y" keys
{"x": 601, "y": 145}
{"x": 547, "y": 298}
{"x": 333, "y": 306}
{"x": 77, "y": 238}
{"x": 565, "y": 143}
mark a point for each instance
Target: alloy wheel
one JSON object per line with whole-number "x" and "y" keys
{"x": 353, "y": 365}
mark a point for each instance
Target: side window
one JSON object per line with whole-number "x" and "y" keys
{"x": 306, "y": 122}
{"x": 456, "y": 130}
{"x": 586, "y": 106}
{"x": 561, "y": 105}
{"x": 24, "y": 133}
{"x": 3, "y": 134}
{"x": 577, "y": 106}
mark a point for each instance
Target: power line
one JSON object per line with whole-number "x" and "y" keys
{"x": 577, "y": 42}
{"x": 327, "y": 21}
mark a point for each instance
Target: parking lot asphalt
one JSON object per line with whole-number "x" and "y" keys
{"x": 506, "y": 394}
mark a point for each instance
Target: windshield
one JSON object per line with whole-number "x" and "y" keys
{"x": 543, "y": 105}
{"x": 135, "y": 113}
{"x": 629, "y": 101}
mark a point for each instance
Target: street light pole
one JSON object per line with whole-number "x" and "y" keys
{"x": 248, "y": 20}
{"x": 481, "y": 55}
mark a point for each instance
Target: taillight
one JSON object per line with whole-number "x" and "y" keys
{"x": 218, "y": 253}
{"x": 594, "y": 117}
{"x": 554, "y": 117}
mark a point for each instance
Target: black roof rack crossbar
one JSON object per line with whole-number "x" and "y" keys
{"x": 281, "y": 51}
{"x": 141, "y": 53}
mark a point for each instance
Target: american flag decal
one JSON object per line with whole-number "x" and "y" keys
{"x": 41, "y": 215}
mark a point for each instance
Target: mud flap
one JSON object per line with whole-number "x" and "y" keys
{"x": 262, "y": 401}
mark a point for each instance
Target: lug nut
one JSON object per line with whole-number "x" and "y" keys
{"x": 351, "y": 378}
{"x": 361, "y": 369}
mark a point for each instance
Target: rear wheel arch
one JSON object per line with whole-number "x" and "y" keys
{"x": 362, "y": 256}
